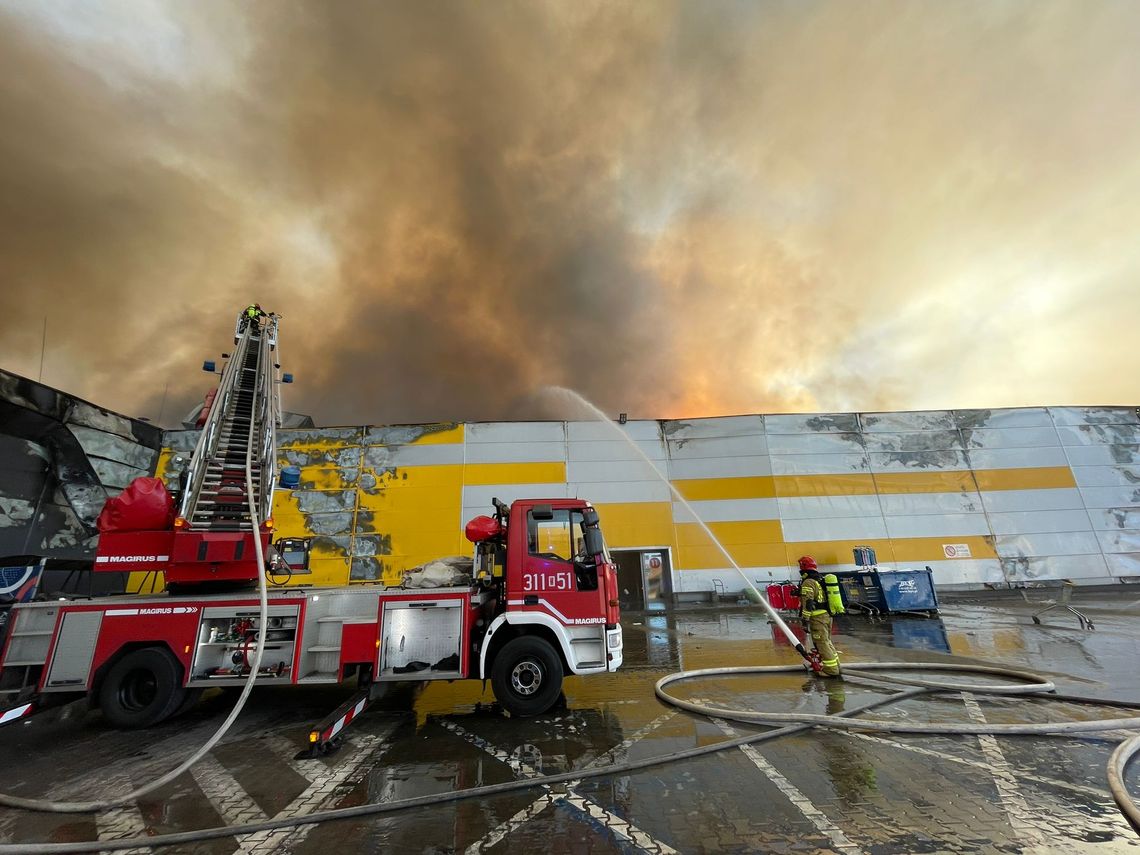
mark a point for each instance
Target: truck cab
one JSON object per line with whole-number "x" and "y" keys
{"x": 556, "y": 605}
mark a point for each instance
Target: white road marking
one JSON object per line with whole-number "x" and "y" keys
{"x": 223, "y": 791}
{"x": 1102, "y": 795}
{"x": 1009, "y": 794}
{"x": 121, "y": 822}
{"x": 813, "y": 814}
{"x": 620, "y": 827}
{"x": 326, "y": 790}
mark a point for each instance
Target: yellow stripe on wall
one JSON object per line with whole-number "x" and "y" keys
{"x": 704, "y": 489}
{"x": 908, "y": 550}
{"x": 1038, "y": 478}
{"x": 855, "y": 483}
{"x": 553, "y": 472}
{"x": 925, "y": 482}
{"x": 637, "y": 524}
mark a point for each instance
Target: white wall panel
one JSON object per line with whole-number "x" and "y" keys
{"x": 614, "y": 470}
{"x": 1090, "y": 568}
{"x": 614, "y": 450}
{"x": 825, "y": 507}
{"x": 643, "y": 430}
{"x": 815, "y": 423}
{"x": 1016, "y": 458}
{"x": 1021, "y": 418}
{"x": 1119, "y": 541}
{"x": 1001, "y": 501}
{"x": 1100, "y": 435}
{"x": 1124, "y": 565}
{"x": 1110, "y": 497}
{"x": 814, "y": 443}
{"x": 515, "y": 452}
{"x": 918, "y": 461}
{"x": 1036, "y": 437}
{"x": 735, "y": 426}
{"x": 930, "y": 440}
{"x": 964, "y": 572}
{"x": 819, "y": 464}
{"x": 1093, "y": 415}
{"x": 1103, "y": 455}
{"x": 1107, "y": 476}
{"x": 1047, "y": 543}
{"x": 933, "y": 525}
{"x": 1032, "y": 522}
{"x": 719, "y": 446}
{"x": 902, "y": 504}
{"x": 613, "y": 492}
{"x": 938, "y": 420}
{"x": 477, "y": 432}
{"x": 726, "y": 467}
{"x": 727, "y": 510}
{"x": 850, "y": 528}
{"x": 1115, "y": 519}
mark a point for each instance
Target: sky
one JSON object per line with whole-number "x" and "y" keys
{"x": 678, "y": 209}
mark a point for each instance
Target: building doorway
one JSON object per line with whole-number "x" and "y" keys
{"x": 645, "y": 577}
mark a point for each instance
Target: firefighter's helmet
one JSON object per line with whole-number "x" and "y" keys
{"x": 807, "y": 563}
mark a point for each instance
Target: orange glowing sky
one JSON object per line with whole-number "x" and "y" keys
{"x": 679, "y": 209}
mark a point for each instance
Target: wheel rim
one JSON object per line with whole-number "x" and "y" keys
{"x": 138, "y": 690}
{"x": 526, "y": 677}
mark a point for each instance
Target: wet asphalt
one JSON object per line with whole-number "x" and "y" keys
{"x": 812, "y": 792}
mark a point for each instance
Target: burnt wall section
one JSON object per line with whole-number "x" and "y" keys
{"x": 60, "y": 459}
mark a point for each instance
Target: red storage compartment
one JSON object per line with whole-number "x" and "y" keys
{"x": 775, "y": 594}
{"x": 791, "y": 597}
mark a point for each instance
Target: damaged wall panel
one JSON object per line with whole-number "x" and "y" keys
{"x": 60, "y": 459}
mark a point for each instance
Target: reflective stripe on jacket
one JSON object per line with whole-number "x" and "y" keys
{"x": 812, "y": 597}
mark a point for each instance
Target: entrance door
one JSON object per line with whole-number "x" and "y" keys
{"x": 645, "y": 578}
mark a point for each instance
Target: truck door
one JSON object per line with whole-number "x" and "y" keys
{"x": 557, "y": 574}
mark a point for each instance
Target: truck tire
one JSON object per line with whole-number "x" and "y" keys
{"x": 527, "y": 676}
{"x": 142, "y": 688}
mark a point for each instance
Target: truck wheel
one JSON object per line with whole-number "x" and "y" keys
{"x": 142, "y": 688}
{"x": 527, "y": 676}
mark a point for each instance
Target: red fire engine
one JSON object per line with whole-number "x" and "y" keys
{"x": 537, "y": 600}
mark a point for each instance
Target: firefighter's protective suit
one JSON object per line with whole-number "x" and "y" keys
{"x": 817, "y": 620}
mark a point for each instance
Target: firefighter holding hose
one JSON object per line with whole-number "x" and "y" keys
{"x": 815, "y": 610}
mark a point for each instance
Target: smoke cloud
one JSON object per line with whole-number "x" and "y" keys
{"x": 677, "y": 209}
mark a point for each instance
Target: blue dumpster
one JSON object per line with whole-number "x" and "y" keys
{"x": 908, "y": 590}
{"x": 886, "y": 591}
{"x": 861, "y": 590}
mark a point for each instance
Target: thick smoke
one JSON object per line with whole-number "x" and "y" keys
{"x": 678, "y": 210}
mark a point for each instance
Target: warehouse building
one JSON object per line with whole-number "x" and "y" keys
{"x": 983, "y": 497}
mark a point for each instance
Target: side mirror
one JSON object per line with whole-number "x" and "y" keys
{"x": 595, "y": 543}
{"x": 589, "y": 517}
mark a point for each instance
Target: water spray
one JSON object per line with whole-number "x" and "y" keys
{"x": 562, "y": 391}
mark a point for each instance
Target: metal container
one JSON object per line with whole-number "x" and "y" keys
{"x": 908, "y": 590}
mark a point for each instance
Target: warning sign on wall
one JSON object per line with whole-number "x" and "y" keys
{"x": 956, "y": 550}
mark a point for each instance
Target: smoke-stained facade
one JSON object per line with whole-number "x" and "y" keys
{"x": 982, "y": 496}
{"x": 60, "y": 459}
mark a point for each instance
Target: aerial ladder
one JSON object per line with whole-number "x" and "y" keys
{"x": 225, "y": 497}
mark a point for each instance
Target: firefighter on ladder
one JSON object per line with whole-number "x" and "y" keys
{"x": 251, "y": 314}
{"x": 816, "y": 615}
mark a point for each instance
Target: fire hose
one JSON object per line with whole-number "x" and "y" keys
{"x": 89, "y": 807}
{"x": 1026, "y": 685}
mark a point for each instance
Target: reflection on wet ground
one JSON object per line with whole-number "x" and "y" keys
{"x": 815, "y": 791}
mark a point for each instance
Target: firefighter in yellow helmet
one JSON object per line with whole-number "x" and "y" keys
{"x": 817, "y": 616}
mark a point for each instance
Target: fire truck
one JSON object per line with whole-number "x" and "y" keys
{"x": 537, "y": 599}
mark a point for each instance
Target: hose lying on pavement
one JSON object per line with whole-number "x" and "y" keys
{"x": 1030, "y": 686}
{"x": 44, "y": 805}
